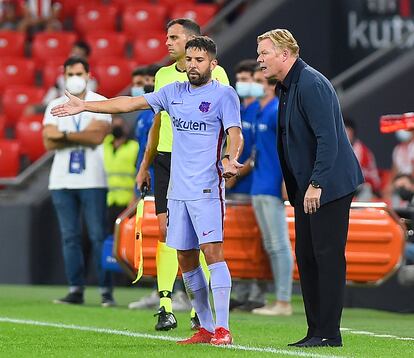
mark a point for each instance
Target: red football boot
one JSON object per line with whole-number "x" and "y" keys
{"x": 222, "y": 336}
{"x": 202, "y": 336}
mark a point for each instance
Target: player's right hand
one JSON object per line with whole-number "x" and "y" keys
{"x": 74, "y": 106}
{"x": 143, "y": 176}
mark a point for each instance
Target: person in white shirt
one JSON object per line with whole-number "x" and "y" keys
{"x": 78, "y": 181}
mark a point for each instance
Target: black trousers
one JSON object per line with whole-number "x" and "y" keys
{"x": 320, "y": 255}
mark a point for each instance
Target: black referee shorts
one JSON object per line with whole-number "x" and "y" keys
{"x": 162, "y": 167}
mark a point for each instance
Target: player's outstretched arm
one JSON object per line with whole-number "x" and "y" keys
{"x": 122, "y": 104}
{"x": 234, "y": 149}
{"x": 143, "y": 175}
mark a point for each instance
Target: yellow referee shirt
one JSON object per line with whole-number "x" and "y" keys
{"x": 165, "y": 76}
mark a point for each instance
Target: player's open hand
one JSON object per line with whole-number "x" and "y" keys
{"x": 231, "y": 168}
{"x": 74, "y": 106}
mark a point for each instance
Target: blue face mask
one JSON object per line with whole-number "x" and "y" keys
{"x": 243, "y": 89}
{"x": 257, "y": 90}
{"x": 137, "y": 91}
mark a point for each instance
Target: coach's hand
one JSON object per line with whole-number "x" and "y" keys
{"x": 311, "y": 202}
{"x": 143, "y": 176}
{"x": 231, "y": 167}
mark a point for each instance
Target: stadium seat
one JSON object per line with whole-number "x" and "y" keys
{"x": 2, "y": 126}
{"x": 113, "y": 75}
{"x": 201, "y": 13}
{"x": 12, "y": 44}
{"x": 122, "y": 4}
{"x": 50, "y": 45}
{"x": 52, "y": 69}
{"x": 31, "y": 118}
{"x": 140, "y": 18}
{"x": 16, "y": 71}
{"x": 92, "y": 17}
{"x": 9, "y": 158}
{"x": 16, "y": 98}
{"x": 29, "y": 135}
{"x": 69, "y": 7}
{"x": 106, "y": 44}
{"x": 150, "y": 48}
{"x": 171, "y": 3}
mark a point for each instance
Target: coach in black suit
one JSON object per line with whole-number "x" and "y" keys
{"x": 321, "y": 174}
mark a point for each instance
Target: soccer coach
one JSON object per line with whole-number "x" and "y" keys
{"x": 321, "y": 174}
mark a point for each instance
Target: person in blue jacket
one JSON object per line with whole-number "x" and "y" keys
{"x": 143, "y": 82}
{"x": 268, "y": 203}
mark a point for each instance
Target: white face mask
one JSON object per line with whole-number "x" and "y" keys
{"x": 75, "y": 84}
{"x": 257, "y": 90}
{"x": 403, "y": 136}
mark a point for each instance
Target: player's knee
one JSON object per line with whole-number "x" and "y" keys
{"x": 213, "y": 252}
{"x": 188, "y": 259}
{"x": 162, "y": 224}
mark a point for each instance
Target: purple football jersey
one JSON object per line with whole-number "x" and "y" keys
{"x": 199, "y": 117}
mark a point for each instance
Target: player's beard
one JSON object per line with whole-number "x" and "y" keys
{"x": 201, "y": 79}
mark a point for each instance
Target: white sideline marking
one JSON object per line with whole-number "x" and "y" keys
{"x": 162, "y": 338}
{"x": 376, "y": 335}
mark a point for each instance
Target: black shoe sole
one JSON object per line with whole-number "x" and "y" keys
{"x": 165, "y": 328}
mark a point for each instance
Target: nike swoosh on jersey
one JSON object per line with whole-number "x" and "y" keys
{"x": 207, "y": 233}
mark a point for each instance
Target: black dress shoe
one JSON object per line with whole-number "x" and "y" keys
{"x": 321, "y": 342}
{"x": 303, "y": 340}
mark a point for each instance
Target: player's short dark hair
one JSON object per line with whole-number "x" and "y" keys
{"x": 139, "y": 71}
{"x": 188, "y": 24}
{"x": 249, "y": 65}
{"x": 203, "y": 43}
{"x": 84, "y": 46}
{"x": 152, "y": 70}
{"x": 75, "y": 60}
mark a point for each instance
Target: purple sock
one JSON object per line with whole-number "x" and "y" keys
{"x": 197, "y": 290}
{"x": 221, "y": 287}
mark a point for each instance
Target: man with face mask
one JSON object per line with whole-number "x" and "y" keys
{"x": 120, "y": 156}
{"x": 78, "y": 181}
{"x": 143, "y": 84}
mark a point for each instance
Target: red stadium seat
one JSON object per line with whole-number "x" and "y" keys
{"x": 113, "y": 75}
{"x": 52, "y": 69}
{"x": 171, "y": 3}
{"x": 9, "y": 158}
{"x": 141, "y": 18}
{"x": 201, "y": 13}
{"x": 16, "y": 98}
{"x": 69, "y": 7}
{"x": 12, "y": 43}
{"x": 122, "y": 4}
{"x": 16, "y": 71}
{"x": 150, "y": 48}
{"x": 49, "y": 45}
{"x": 95, "y": 18}
{"x": 2, "y": 126}
{"x": 106, "y": 44}
{"x": 29, "y": 134}
{"x": 31, "y": 118}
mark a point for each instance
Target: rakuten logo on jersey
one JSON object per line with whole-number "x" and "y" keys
{"x": 182, "y": 125}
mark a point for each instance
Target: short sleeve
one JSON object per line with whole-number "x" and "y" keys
{"x": 48, "y": 119}
{"x": 230, "y": 109}
{"x": 158, "y": 100}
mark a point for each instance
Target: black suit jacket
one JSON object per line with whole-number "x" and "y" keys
{"x": 317, "y": 144}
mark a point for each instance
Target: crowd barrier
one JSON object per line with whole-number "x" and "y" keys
{"x": 374, "y": 248}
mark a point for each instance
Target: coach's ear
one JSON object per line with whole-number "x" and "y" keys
{"x": 213, "y": 64}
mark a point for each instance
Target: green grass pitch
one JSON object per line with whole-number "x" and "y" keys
{"x": 31, "y": 326}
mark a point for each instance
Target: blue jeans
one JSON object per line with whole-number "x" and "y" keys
{"x": 69, "y": 205}
{"x": 271, "y": 217}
